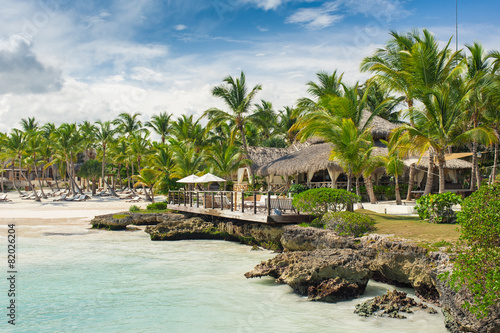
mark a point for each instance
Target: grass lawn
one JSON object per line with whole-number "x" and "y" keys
{"x": 411, "y": 227}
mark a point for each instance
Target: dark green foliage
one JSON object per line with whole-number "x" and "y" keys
{"x": 437, "y": 207}
{"x": 157, "y": 206}
{"x": 318, "y": 201}
{"x": 478, "y": 264}
{"x": 348, "y": 223}
{"x": 297, "y": 188}
{"x": 134, "y": 208}
{"x": 90, "y": 169}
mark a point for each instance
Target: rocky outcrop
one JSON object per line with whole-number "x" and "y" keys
{"x": 260, "y": 234}
{"x": 120, "y": 221}
{"x": 328, "y": 267}
{"x": 326, "y": 275}
{"x": 391, "y": 305}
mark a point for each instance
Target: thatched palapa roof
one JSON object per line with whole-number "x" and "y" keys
{"x": 309, "y": 159}
{"x": 381, "y": 128}
{"x": 455, "y": 164}
{"x": 264, "y": 155}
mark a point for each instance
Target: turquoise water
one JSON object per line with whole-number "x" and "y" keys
{"x": 74, "y": 279}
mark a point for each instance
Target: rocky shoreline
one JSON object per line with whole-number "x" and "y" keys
{"x": 321, "y": 265}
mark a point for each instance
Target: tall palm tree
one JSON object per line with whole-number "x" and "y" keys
{"x": 393, "y": 164}
{"x": 14, "y": 145}
{"x": 437, "y": 124}
{"x": 377, "y": 95}
{"x": 186, "y": 129}
{"x": 234, "y": 93}
{"x": 160, "y": 125}
{"x": 67, "y": 141}
{"x": 105, "y": 135}
{"x": 225, "y": 160}
{"x": 128, "y": 124}
{"x": 148, "y": 178}
{"x": 478, "y": 74}
{"x": 286, "y": 120}
{"x": 187, "y": 160}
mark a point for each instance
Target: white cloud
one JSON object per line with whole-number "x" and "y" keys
{"x": 262, "y": 29}
{"x": 385, "y": 10}
{"x": 180, "y": 27}
{"x": 316, "y": 18}
{"x": 266, "y": 4}
{"x": 22, "y": 72}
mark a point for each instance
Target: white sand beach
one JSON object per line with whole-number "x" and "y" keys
{"x": 50, "y": 209}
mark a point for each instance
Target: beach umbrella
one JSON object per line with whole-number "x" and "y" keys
{"x": 189, "y": 179}
{"x": 209, "y": 178}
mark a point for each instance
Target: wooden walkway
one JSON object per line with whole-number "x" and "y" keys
{"x": 231, "y": 208}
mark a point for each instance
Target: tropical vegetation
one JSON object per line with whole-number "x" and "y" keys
{"x": 442, "y": 100}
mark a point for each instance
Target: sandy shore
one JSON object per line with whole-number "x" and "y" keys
{"x": 49, "y": 209}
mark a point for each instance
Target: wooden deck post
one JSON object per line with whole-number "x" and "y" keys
{"x": 205, "y": 200}
{"x": 221, "y": 200}
{"x": 197, "y": 199}
{"x": 242, "y": 201}
{"x": 213, "y": 200}
{"x": 232, "y": 203}
{"x": 254, "y": 203}
{"x": 268, "y": 203}
{"x": 190, "y": 199}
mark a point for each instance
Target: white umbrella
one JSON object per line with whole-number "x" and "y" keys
{"x": 189, "y": 179}
{"x": 209, "y": 178}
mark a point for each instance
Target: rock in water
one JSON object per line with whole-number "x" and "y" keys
{"x": 390, "y": 305}
{"x": 323, "y": 275}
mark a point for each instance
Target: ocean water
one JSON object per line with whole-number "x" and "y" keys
{"x": 75, "y": 279}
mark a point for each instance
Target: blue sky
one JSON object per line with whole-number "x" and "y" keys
{"x": 69, "y": 61}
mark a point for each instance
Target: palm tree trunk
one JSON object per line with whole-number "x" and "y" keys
{"x": 430, "y": 174}
{"x": 39, "y": 181}
{"x": 474, "y": 166}
{"x": 29, "y": 182}
{"x": 245, "y": 148}
{"x": 349, "y": 181}
{"x": 369, "y": 189}
{"x": 358, "y": 193}
{"x": 94, "y": 187}
{"x": 1, "y": 177}
{"x": 103, "y": 162}
{"x": 14, "y": 179}
{"x": 410, "y": 181}
{"x": 120, "y": 176}
{"x": 441, "y": 171}
{"x": 494, "y": 169}
{"x": 398, "y": 195}
{"x": 128, "y": 177}
{"x": 55, "y": 177}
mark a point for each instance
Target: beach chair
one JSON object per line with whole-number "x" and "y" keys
{"x": 134, "y": 199}
{"x": 63, "y": 197}
{"x": 3, "y": 198}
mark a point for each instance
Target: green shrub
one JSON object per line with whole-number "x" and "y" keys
{"x": 437, "y": 207}
{"x": 318, "y": 201}
{"x": 478, "y": 264}
{"x": 348, "y": 223}
{"x": 297, "y": 188}
{"x": 157, "y": 206}
{"x": 134, "y": 208}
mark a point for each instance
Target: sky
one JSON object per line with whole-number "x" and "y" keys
{"x": 70, "y": 61}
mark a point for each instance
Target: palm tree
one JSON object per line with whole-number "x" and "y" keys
{"x": 478, "y": 75}
{"x": 187, "y": 160}
{"x": 104, "y": 135}
{"x": 67, "y": 142}
{"x": 286, "y": 120}
{"x": 225, "y": 160}
{"x": 377, "y": 95}
{"x": 186, "y": 129}
{"x": 128, "y": 124}
{"x": 148, "y": 178}
{"x": 393, "y": 164}
{"x": 330, "y": 85}
{"x": 234, "y": 94}
{"x": 14, "y": 145}
{"x": 437, "y": 124}
{"x": 160, "y": 124}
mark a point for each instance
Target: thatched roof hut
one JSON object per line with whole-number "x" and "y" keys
{"x": 381, "y": 128}
{"x": 263, "y": 155}
{"x": 455, "y": 164}
{"x": 309, "y": 159}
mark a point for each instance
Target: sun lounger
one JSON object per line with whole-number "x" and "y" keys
{"x": 63, "y": 197}
{"x": 134, "y": 199}
{"x": 3, "y": 198}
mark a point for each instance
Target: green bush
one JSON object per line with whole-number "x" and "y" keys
{"x": 478, "y": 264}
{"x": 297, "y": 188}
{"x": 134, "y": 208}
{"x": 157, "y": 206}
{"x": 348, "y": 223}
{"x": 318, "y": 201}
{"x": 437, "y": 207}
